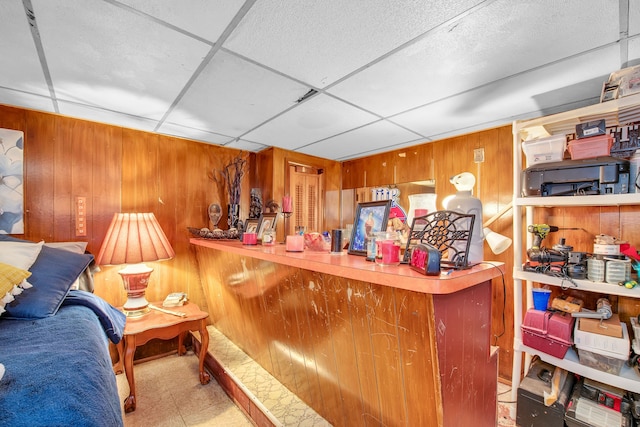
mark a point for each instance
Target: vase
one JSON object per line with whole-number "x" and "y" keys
{"x": 423, "y": 203}
{"x": 233, "y": 215}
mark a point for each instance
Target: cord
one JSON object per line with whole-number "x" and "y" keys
{"x": 504, "y": 301}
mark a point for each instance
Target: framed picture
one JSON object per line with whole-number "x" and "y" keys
{"x": 251, "y": 225}
{"x": 267, "y": 222}
{"x": 371, "y": 217}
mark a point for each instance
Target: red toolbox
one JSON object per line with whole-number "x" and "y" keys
{"x": 547, "y": 331}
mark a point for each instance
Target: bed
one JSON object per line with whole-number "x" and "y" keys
{"x": 54, "y": 340}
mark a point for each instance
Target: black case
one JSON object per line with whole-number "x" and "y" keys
{"x": 531, "y": 411}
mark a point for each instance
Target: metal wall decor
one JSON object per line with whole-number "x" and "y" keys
{"x": 448, "y": 231}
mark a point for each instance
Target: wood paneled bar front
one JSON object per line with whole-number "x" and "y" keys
{"x": 362, "y": 344}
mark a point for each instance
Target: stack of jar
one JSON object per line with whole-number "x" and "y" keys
{"x": 608, "y": 264}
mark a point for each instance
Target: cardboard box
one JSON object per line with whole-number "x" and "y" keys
{"x": 591, "y": 341}
{"x": 610, "y": 327}
{"x": 567, "y": 303}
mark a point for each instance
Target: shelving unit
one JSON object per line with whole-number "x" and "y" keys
{"x": 616, "y": 113}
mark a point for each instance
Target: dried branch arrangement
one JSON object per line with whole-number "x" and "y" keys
{"x": 232, "y": 175}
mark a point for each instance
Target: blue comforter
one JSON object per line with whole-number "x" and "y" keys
{"x": 58, "y": 369}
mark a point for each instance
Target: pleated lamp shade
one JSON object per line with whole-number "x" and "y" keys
{"x": 134, "y": 238}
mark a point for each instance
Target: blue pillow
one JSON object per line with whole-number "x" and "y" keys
{"x": 52, "y": 275}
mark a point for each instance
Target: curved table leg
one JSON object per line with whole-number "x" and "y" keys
{"x": 129, "y": 351}
{"x": 118, "y": 368}
{"x": 182, "y": 350}
{"x": 204, "y": 345}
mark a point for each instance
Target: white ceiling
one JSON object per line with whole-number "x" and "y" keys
{"x": 388, "y": 74}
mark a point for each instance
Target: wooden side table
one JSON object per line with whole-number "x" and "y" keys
{"x": 139, "y": 331}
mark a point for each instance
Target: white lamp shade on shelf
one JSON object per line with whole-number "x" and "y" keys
{"x": 497, "y": 242}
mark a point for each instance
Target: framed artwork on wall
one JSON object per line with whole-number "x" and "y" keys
{"x": 371, "y": 217}
{"x": 11, "y": 179}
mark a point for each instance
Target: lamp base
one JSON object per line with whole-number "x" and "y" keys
{"x": 136, "y": 279}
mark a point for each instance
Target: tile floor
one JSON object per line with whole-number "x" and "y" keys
{"x": 169, "y": 393}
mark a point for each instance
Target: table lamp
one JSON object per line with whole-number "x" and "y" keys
{"x": 133, "y": 239}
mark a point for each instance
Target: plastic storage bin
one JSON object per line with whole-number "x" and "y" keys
{"x": 545, "y": 150}
{"x": 601, "y": 352}
{"x": 549, "y": 332}
{"x": 588, "y": 148}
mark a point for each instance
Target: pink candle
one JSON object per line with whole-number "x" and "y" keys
{"x": 295, "y": 243}
{"x": 286, "y": 204}
{"x": 249, "y": 238}
{"x": 421, "y": 212}
{"x": 390, "y": 252}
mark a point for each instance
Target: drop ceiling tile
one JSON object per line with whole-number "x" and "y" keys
{"x": 634, "y": 18}
{"x": 21, "y": 68}
{"x": 232, "y": 96}
{"x": 204, "y": 18}
{"x": 195, "y": 134}
{"x": 318, "y": 118}
{"x": 26, "y": 100}
{"x": 243, "y": 144}
{"x": 559, "y": 87}
{"x": 110, "y": 58}
{"x": 319, "y": 42}
{"x": 497, "y": 41}
{"x": 634, "y": 51}
{"x": 361, "y": 141}
{"x": 103, "y": 116}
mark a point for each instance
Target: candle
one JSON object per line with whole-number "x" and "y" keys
{"x": 390, "y": 252}
{"x": 249, "y": 238}
{"x": 295, "y": 243}
{"x": 286, "y": 204}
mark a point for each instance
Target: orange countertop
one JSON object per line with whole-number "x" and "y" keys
{"x": 358, "y": 268}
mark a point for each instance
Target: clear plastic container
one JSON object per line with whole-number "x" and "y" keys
{"x": 617, "y": 270}
{"x": 388, "y": 247}
{"x": 595, "y": 269}
{"x": 544, "y": 150}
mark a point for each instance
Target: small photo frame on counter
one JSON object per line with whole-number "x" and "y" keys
{"x": 371, "y": 217}
{"x": 267, "y": 222}
{"x": 251, "y": 225}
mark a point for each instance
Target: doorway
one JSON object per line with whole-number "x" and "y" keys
{"x": 306, "y": 186}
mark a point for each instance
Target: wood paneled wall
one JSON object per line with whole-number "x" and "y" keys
{"x": 440, "y": 160}
{"x": 119, "y": 170}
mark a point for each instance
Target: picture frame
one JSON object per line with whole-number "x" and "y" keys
{"x": 371, "y": 217}
{"x": 251, "y": 225}
{"x": 267, "y": 222}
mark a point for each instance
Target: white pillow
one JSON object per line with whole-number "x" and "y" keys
{"x": 19, "y": 254}
{"x": 1, "y": 370}
{"x": 76, "y": 247}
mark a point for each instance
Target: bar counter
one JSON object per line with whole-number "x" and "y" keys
{"x": 357, "y": 267}
{"x": 360, "y": 343}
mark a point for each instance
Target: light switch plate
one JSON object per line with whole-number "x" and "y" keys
{"x": 81, "y": 216}
{"x": 478, "y": 155}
